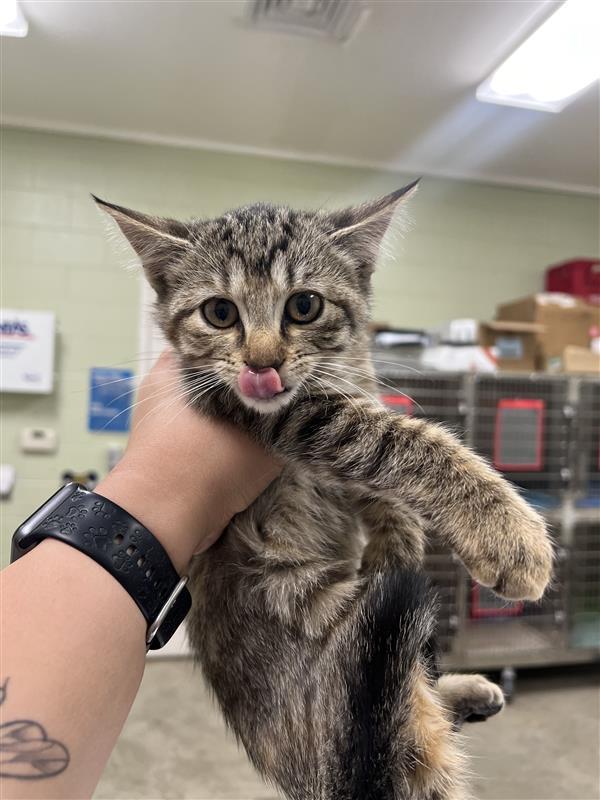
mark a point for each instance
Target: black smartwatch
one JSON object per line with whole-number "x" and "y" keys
{"x": 119, "y": 543}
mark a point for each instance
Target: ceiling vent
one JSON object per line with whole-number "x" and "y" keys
{"x": 328, "y": 19}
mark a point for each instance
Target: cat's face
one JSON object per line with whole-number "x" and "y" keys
{"x": 263, "y": 302}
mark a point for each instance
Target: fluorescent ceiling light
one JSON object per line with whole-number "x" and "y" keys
{"x": 551, "y": 68}
{"x": 12, "y": 21}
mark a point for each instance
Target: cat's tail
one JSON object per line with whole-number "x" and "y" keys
{"x": 396, "y": 741}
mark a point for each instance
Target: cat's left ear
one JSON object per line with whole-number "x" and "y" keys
{"x": 360, "y": 229}
{"x": 159, "y": 242}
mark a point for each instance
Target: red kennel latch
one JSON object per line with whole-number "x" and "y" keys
{"x": 399, "y": 403}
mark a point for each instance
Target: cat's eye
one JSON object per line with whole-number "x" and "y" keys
{"x": 219, "y": 312}
{"x": 304, "y": 307}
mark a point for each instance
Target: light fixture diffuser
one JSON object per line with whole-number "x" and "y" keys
{"x": 554, "y": 65}
{"x": 12, "y": 21}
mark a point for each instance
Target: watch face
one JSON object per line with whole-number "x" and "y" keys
{"x": 20, "y": 541}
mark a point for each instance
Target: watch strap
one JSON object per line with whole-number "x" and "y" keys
{"x": 122, "y": 545}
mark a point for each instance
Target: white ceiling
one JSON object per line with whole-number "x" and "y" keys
{"x": 399, "y": 94}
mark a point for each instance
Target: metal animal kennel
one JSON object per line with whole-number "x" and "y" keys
{"x": 543, "y": 433}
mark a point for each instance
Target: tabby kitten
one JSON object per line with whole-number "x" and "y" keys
{"x": 310, "y": 618}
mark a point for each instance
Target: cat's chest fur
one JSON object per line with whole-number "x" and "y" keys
{"x": 301, "y": 535}
{"x": 301, "y": 517}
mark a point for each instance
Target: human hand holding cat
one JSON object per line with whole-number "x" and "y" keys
{"x": 184, "y": 475}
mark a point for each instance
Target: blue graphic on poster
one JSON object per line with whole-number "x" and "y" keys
{"x": 111, "y": 396}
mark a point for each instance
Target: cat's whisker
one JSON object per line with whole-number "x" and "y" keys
{"x": 320, "y": 383}
{"x": 346, "y": 395}
{"x": 325, "y": 377}
{"x": 187, "y": 392}
{"x": 369, "y": 358}
{"x": 164, "y": 390}
{"x": 137, "y": 379}
{"x": 190, "y": 388}
{"x": 366, "y": 359}
{"x": 363, "y": 391}
{"x": 303, "y": 385}
{"x": 173, "y": 382}
{"x": 199, "y": 390}
{"x": 375, "y": 380}
{"x": 354, "y": 386}
{"x": 193, "y": 400}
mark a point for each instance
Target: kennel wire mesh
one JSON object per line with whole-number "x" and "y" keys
{"x": 435, "y": 396}
{"x": 445, "y": 574}
{"x": 587, "y": 452}
{"x": 584, "y": 586}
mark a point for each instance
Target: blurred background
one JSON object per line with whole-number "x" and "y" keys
{"x": 485, "y": 311}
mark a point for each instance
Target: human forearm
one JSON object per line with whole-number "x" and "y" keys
{"x": 73, "y": 655}
{"x": 74, "y": 640}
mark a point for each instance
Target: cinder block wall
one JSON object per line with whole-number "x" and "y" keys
{"x": 471, "y": 246}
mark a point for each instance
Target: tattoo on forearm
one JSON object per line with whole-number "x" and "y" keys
{"x": 26, "y": 750}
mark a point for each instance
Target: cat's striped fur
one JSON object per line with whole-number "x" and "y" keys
{"x": 310, "y": 618}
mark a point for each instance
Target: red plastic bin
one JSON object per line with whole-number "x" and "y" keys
{"x": 579, "y": 277}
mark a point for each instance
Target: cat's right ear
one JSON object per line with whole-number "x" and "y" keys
{"x": 360, "y": 229}
{"x": 159, "y": 242}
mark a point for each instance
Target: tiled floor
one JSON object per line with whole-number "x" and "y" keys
{"x": 545, "y": 746}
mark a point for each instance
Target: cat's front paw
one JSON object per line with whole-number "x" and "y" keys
{"x": 518, "y": 560}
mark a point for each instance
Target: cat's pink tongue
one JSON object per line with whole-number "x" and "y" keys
{"x": 260, "y": 383}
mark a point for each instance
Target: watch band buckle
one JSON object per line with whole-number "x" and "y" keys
{"x": 163, "y": 613}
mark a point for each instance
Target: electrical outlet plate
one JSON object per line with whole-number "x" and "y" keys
{"x": 39, "y": 440}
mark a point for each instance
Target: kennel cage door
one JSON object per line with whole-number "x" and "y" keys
{"x": 518, "y": 435}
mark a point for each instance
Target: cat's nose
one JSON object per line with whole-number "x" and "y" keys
{"x": 263, "y": 349}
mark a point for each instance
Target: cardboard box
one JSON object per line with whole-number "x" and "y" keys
{"x": 581, "y": 360}
{"x": 513, "y": 344}
{"x": 565, "y": 320}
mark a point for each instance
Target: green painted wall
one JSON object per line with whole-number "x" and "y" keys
{"x": 471, "y": 246}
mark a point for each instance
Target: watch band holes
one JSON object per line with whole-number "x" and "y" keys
{"x": 131, "y": 549}
{"x": 118, "y": 538}
{"x": 149, "y": 573}
{"x": 140, "y": 561}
